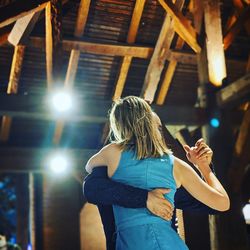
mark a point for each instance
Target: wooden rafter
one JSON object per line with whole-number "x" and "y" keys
{"x": 23, "y": 28}
{"x": 182, "y": 25}
{"x": 120, "y": 49}
{"x": 236, "y": 92}
{"x": 236, "y": 27}
{"x": 159, "y": 56}
{"x": 53, "y": 21}
{"x": 15, "y": 72}
{"x": 98, "y": 48}
{"x": 238, "y": 8}
{"x": 79, "y": 29}
{"x": 168, "y": 76}
{"x": 126, "y": 62}
{"x": 83, "y": 11}
{"x": 197, "y": 9}
{"x": 19, "y": 9}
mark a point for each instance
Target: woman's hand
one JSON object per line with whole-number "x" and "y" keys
{"x": 201, "y": 154}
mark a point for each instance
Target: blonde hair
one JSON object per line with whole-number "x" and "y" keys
{"x": 133, "y": 128}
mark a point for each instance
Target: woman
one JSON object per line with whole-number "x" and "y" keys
{"x": 138, "y": 156}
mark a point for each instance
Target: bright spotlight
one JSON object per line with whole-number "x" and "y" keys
{"x": 246, "y": 213}
{"x": 214, "y": 122}
{"x": 62, "y": 101}
{"x": 59, "y": 164}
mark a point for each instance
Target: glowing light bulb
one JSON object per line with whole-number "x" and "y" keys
{"x": 62, "y": 102}
{"x": 58, "y": 164}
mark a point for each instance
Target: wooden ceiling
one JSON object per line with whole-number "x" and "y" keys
{"x": 105, "y": 49}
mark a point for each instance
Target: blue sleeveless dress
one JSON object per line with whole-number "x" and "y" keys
{"x": 137, "y": 228}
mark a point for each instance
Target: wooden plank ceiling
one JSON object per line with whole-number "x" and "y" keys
{"x": 105, "y": 49}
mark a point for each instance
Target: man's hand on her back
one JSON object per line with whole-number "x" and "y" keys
{"x": 158, "y": 205}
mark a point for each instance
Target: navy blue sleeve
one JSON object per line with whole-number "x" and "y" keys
{"x": 99, "y": 189}
{"x": 108, "y": 221}
{"x": 185, "y": 201}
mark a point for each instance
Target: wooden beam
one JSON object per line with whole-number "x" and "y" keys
{"x": 121, "y": 49}
{"x": 36, "y": 159}
{"x": 82, "y": 16}
{"x": 53, "y": 22}
{"x": 168, "y": 76}
{"x": 182, "y": 25}
{"x": 159, "y": 56}
{"x": 236, "y": 12}
{"x": 19, "y": 9}
{"x": 239, "y": 7}
{"x": 16, "y": 67}
{"x": 197, "y": 9}
{"x": 126, "y": 61}
{"x": 36, "y": 107}
{"x": 235, "y": 93}
{"x": 214, "y": 45}
{"x": 236, "y": 27}
{"x": 23, "y": 28}
{"x": 135, "y": 21}
{"x": 98, "y": 48}
{"x": 15, "y": 72}
{"x": 83, "y": 11}
{"x": 108, "y": 49}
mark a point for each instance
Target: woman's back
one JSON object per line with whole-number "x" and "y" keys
{"x": 138, "y": 228}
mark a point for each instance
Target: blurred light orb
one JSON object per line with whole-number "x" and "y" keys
{"x": 62, "y": 101}
{"x": 59, "y": 164}
{"x": 214, "y": 122}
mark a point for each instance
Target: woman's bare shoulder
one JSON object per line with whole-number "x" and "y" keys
{"x": 111, "y": 149}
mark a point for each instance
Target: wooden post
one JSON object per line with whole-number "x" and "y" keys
{"x": 32, "y": 226}
{"x": 214, "y": 42}
{"x": 61, "y": 212}
{"x": 22, "y": 193}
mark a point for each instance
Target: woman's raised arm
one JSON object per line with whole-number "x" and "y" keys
{"x": 210, "y": 192}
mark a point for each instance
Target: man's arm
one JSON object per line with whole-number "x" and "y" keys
{"x": 99, "y": 189}
{"x": 108, "y": 221}
{"x": 185, "y": 201}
